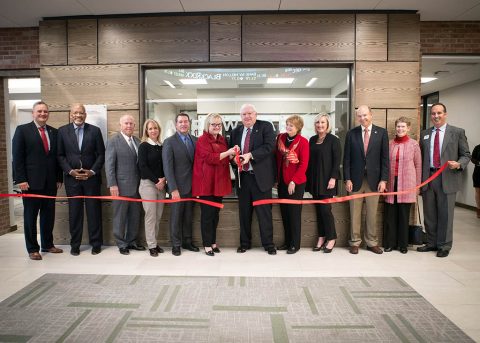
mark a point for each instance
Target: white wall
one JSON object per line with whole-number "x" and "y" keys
{"x": 463, "y": 108}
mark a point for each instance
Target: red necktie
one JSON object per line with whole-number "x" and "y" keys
{"x": 246, "y": 149}
{"x": 366, "y": 140}
{"x": 44, "y": 138}
{"x": 436, "y": 149}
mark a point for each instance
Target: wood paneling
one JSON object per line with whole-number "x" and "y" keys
{"x": 294, "y": 37}
{"x": 113, "y": 121}
{"x": 153, "y": 39}
{"x": 404, "y": 37}
{"x": 53, "y": 42}
{"x": 225, "y": 38}
{"x": 411, "y": 114}
{"x": 387, "y": 84}
{"x": 82, "y": 41}
{"x": 114, "y": 85}
{"x": 371, "y": 37}
{"x": 57, "y": 119}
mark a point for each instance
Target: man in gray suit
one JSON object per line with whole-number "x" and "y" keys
{"x": 123, "y": 179}
{"x": 177, "y": 156}
{"x": 439, "y": 144}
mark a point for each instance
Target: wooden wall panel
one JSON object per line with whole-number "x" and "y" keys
{"x": 114, "y": 85}
{"x": 387, "y": 84}
{"x": 404, "y": 37}
{"x": 412, "y": 114}
{"x": 371, "y": 37}
{"x": 153, "y": 39}
{"x": 53, "y": 42}
{"x": 295, "y": 37}
{"x": 57, "y": 119}
{"x": 225, "y": 38}
{"x": 82, "y": 41}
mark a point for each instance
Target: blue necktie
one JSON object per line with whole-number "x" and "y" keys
{"x": 189, "y": 145}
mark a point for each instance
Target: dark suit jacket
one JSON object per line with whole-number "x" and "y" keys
{"x": 375, "y": 163}
{"x": 454, "y": 148}
{"x": 262, "y": 144}
{"x": 30, "y": 162}
{"x": 177, "y": 164}
{"x": 92, "y": 153}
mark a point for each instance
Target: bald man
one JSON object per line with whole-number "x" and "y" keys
{"x": 123, "y": 179}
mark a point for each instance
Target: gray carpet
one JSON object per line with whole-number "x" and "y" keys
{"x": 112, "y": 308}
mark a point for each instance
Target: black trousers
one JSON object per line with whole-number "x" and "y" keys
{"x": 325, "y": 221}
{"x": 93, "y": 208}
{"x": 397, "y": 219}
{"x": 31, "y": 209}
{"x": 247, "y": 194}
{"x": 291, "y": 214}
{"x": 209, "y": 220}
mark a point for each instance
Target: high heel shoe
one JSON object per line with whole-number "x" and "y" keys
{"x": 215, "y": 249}
{"x": 329, "y": 250}
{"x": 209, "y": 252}
{"x": 319, "y": 247}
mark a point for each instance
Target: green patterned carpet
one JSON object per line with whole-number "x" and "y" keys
{"x": 112, "y": 308}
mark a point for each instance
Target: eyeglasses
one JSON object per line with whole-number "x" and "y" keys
{"x": 216, "y": 125}
{"x": 78, "y": 113}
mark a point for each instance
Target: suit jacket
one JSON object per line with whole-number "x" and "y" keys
{"x": 454, "y": 148}
{"x": 30, "y": 162}
{"x": 374, "y": 163}
{"x": 262, "y": 144}
{"x": 177, "y": 164}
{"x": 121, "y": 167}
{"x": 91, "y": 154}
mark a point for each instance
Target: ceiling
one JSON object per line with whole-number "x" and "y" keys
{"x": 27, "y": 13}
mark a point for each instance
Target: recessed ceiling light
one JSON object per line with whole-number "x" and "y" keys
{"x": 311, "y": 82}
{"x": 280, "y": 80}
{"x": 193, "y": 81}
{"x": 427, "y": 79}
{"x": 169, "y": 83}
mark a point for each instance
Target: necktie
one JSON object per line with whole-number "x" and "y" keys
{"x": 79, "y": 134}
{"x": 436, "y": 149}
{"x": 366, "y": 140}
{"x": 130, "y": 143}
{"x": 246, "y": 149}
{"x": 44, "y": 139}
{"x": 188, "y": 143}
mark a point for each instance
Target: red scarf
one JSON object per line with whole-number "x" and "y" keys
{"x": 289, "y": 154}
{"x": 399, "y": 140}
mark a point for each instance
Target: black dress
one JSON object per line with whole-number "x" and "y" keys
{"x": 476, "y": 171}
{"x": 323, "y": 165}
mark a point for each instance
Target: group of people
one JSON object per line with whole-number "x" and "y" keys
{"x": 187, "y": 167}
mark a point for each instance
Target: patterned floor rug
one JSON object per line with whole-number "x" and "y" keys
{"x": 112, "y": 308}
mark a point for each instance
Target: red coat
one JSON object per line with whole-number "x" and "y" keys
{"x": 211, "y": 176}
{"x": 295, "y": 172}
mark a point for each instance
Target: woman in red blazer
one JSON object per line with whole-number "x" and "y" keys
{"x": 292, "y": 154}
{"x": 211, "y": 177}
{"x": 405, "y": 173}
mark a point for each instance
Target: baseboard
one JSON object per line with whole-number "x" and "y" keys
{"x": 468, "y": 207}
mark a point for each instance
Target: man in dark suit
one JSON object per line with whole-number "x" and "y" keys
{"x": 441, "y": 144}
{"x": 365, "y": 170}
{"x": 81, "y": 154}
{"x": 255, "y": 176}
{"x": 177, "y": 157}
{"x": 123, "y": 179}
{"x": 36, "y": 171}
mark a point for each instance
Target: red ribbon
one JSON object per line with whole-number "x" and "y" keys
{"x": 348, "y": 197}
{"x": 30, "y": 195}
{"x": 237, "y": 157}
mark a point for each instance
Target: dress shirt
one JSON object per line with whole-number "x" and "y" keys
{"x": 432, "y": 141}
{"x": 244, "y": 135}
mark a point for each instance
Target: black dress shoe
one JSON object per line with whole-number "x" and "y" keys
{"x": 176, "y": 251}
{"x": 159, "y": 250}
{"x": 153, "y": 252}
{"x": 283, "y": 247}
{"x": 403, "y": 250}
{"x": 317, "y": 248}
{"x": 272, "y": 251}
{"x": 75, "y": 251}
{"x": 190, "y": 247}
{"x": 124, "y": 251}
{"x": 216, "y": 250}
{"x": 96, "y": 250}
{"x": 426, "y": 248}
{"x": 388, "y": 249}
{"x": 209, "y": 252}
{"x": 443, "y": 253}
{"x": 291, "y": 250}
{"x": 136, "y": 247}
{"x": 241, "y": 250}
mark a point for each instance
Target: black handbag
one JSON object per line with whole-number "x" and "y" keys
{"x": 416, "y": 235}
